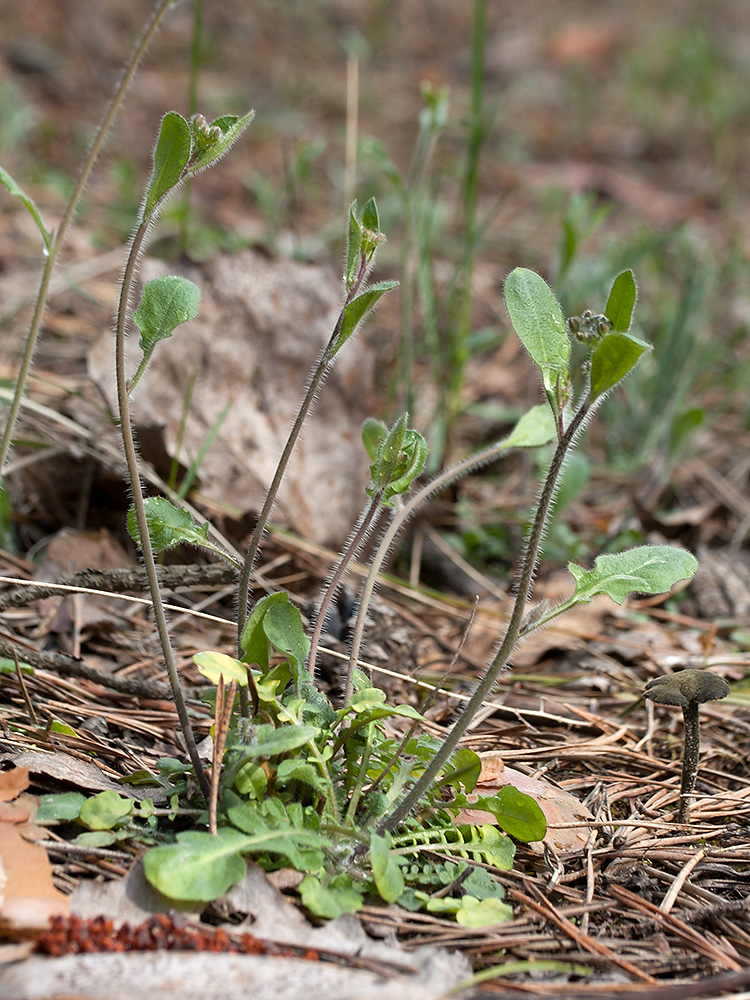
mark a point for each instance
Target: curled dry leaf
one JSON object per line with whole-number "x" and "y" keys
{"x": 558, "y": 806}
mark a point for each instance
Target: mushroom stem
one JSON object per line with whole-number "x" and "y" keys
{"x": 688, "y": 689}
{"x": 689, "y": 759}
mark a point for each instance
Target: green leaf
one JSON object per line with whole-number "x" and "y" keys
{"x": 8, "y": 666}
{"x": 282, "y": 624}
{"x": 100, "y": 838}
{"x": 518, "y": 814}
{"x": 171, "y": 157}
{"x": 647, "y": 569}
{"x": 374, "y": 433}
{"x": 7, "y": 181}
{"x": 367, "y": 698}
{"x": 272, "y": 742}
{"x": 613, "y": 358}
{"x": 535, "y": 428}
{"x": 167, "y": 525}
{"x": 61, "y": 808}
{"x": 355, "y": 312}
{"x": 292, "y": 769}
{"x": 105, "y": 810}
{"x": 385, "y": 869}
{"x": 370, "y": 219}
{"x": 213, "y": 665}
{"x": 254, "y": 640}
{"x": 538, "y": 320}
{"x": 483, "y": 913}
{"x": 465, "y": 768}
{"x": 621, "y": 301}
{"x": 251, "y": 780}
{"x": 487, "y": 844}
{"x": 200, "y": 866}
{"x": 353, "y": 240}
{"x": 339, "y": 896}
{"x": 209, "y": 147}
{"x": 62, "y": 728}
{"x": 165, "y": 303}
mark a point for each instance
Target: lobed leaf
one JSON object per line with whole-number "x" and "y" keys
{"x": 647, "y": 569}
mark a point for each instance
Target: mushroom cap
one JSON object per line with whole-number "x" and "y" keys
{"x": 686, "y": 686}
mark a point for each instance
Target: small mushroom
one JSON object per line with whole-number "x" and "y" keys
{"x": 688, "y": 689}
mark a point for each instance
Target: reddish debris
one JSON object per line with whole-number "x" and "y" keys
{"x": 74, "y": 935}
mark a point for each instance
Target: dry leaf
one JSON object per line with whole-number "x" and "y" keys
{"x": 558, "y": 806}
{"x": 13, "y": 782}
{"x": 28, "y": 897}
{"x": 261, "y": 325}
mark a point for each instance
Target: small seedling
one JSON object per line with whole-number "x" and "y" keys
{"x": 688, "y": 689}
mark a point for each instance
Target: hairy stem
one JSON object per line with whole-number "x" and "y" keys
{"x": 318, "y": 374}
{"x": 367, "y": 521}
{"x": 62, "y": 229}
{"x": 528, "y": 569}
{"x": 131, "y": 458}
{"x": 398, "y": 521}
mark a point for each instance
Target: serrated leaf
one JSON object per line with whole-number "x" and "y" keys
{"x": 621, "y": 301}
{"x": 214, "y": 665}
{"x": 613, "y": 358}
{"x": 200, "y": 866}
{"x": 7, "y": 181}
{"x": 385, "y": 869}
{"x": 171, "y": 156}
{"x": 647, "y": 569}
{"x": 167, "y": 525}
{"x": 516, "y": 813}
{"x": 355, "y": 312}
{"x": 538, "y": 320}
{"x": 166, "y": 302}
{"x": 231, "y": 128}
{"x": 105, "y": 810}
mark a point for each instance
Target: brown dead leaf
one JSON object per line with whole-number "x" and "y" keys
{"x": 12, "y": 783}
{"x": 558, "y": 806}
{"x": 28, "y": 897}
{"x": 261, "y": 324}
